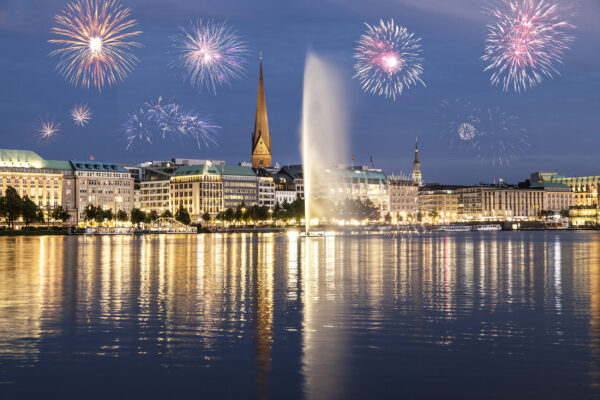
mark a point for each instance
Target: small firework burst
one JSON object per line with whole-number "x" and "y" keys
{"x": 388, "y": 59}
{"x": 168, "y": 120}
{"x": 81, "y": 114}
{"x": 525, "y": 42}
{"x": 48, "y": 128}
{"x": 95, "y": 39}
{"x": 466, "y": 131}
{"x": 459, "y": 120}
{"x": 210, "y": 54}
{"x": 493, "y": 135}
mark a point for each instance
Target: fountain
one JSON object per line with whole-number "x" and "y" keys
{"x": 323, "y": 130}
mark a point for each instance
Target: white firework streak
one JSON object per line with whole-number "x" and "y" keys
{"x": 81, "y": 114}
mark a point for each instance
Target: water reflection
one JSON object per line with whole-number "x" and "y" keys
{"x": 335, "y": 317}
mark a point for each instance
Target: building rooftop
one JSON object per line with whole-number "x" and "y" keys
{"x": 543, "y": 185}
{"x": 237, "y": 170}
{"x": 97, "y": 166}
{"x": 29, "y": 159}
{"x": 187, "y": 170}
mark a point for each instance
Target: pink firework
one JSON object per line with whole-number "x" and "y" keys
{"x": 526, "y": 41}
{"x": 388, "y": 59}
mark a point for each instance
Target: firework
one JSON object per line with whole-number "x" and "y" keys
{"x": 388, "y": 59}
{"x": 491, "y": 134}
{"x": 81, "y": 114}
{"x": 210, "y": 54}
{"x": 48, "y": 128}
{"x": 500, "y": 139}
{"x": 525, "y": 42}
{"x": 96, "y": 40}
{"x": 466, "y": 131}
{"x": 168, "y": 120}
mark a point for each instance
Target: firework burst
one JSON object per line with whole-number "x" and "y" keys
{"x": 210, "y": 54}
{"x": 168, "y": 120}
{"x": 388, "y": 59}
{"x": 500, "y": 139}
{"x": 48, "y": 128}
{"x": 95, "y": 39}
{"x": 81, "y": 114}
{"x": 493, "y": 135}
{"x": 525, "y": 42}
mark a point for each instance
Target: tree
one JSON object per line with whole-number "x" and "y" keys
{"x": 388, "y": 218}
{"x": 166, "y": 214}
{"x": 59, "y": 214}
{"x": 122, "y": 216}
{"x": 90, "y": 212}
{"x": 206, "y": 217}
{"x": 107, "y": 215}
{"x": 10, "y": 206}
{"x": 564, "y": 213}
{"x": 152, "y": 216}
{"x": 137, "y": 216}
{"x": 39, "y": 216}
{"x": 435, "y": 214}
{"x": 229, "y": 215}
{"x": 28, "y": 210}
{"x": 182, "y": 215}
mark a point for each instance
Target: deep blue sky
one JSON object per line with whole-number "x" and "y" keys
{"x": 561, "y": 116}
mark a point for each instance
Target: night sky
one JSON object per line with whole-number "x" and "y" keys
{"x": 561, "y": 116}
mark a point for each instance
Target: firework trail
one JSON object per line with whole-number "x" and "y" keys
{"x": 493, "y": 135}
{"x": 500, "y": 138}
{"x": 525, "y": 42}
{"x": 388, "y": 59}
{"x": 81, "y": 114}
{"x": 95, "y": 42}
{"x": 210, "y": 54}
{"x": 48, "y": 128}
{"x": 168, "y": 120}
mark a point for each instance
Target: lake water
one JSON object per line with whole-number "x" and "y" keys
{"x": 459, "y": 315}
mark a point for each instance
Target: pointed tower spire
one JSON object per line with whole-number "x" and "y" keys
{"x": 416, "y": 175}
{"x": 261, "y": 138}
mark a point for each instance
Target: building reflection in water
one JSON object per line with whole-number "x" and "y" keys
{"x": 195, "y": 300}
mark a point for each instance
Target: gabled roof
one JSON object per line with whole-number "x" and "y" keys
{"x": 292, "y": 171}
{"x": 97, "y": 166}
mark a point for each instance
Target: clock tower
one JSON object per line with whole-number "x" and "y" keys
{"x": 261, "y": 138}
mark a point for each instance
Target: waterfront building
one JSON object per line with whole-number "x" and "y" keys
{"x": 240, "y": 185}
{"x": 416, "y": 175}
{"x": 266, "y": 188}
{"x": 198, "y": 188}
{"x": 355, "y": 183}
{"x": 103, "y": 184}
{"x": 48, "y": 183}
{"x": 502, "y": 202}
{"x": 585, "y": 188}
{"x": 290, "y": 177}
{"x": 155, "y": 188}
{"x": 403, "y": 198}
{"x": 261, "y": 137}
{"x": 285, "y": 196}
{"x": 187, "y": 161}
{"x": 439, "y": 202}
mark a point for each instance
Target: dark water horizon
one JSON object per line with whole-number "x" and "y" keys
{"x": 475, "y": 315}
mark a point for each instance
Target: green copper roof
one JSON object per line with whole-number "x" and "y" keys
{"x": 21, "y": 158}
{"x": 542, "y": 185}
{"x": 29, "y": 159}
{"x": 197, "y": 170}
{"x": 236, "y": 170}
{"x": 57, "y": 164}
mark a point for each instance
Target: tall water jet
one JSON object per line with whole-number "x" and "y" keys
{"x": 324, "y": 126}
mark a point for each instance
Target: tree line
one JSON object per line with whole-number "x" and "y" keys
{"x": 14, "y": 207}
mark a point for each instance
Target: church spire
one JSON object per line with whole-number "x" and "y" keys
{"x": 416, "y": 175}
{"x": 261, "y": 138}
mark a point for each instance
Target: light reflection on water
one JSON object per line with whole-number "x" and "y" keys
{"x": 335, "y": 317}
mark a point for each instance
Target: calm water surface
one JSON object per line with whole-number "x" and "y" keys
{"x": 473, "y": 315}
